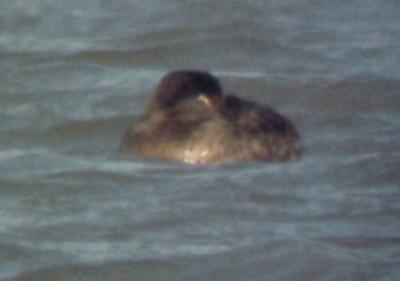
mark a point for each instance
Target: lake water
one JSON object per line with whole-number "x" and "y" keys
{"x": 73, "y": 74}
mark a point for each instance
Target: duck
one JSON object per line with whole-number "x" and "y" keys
{"x": 189, "y": 119}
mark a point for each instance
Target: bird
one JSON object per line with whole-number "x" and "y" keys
{"x": 189, "y": 119}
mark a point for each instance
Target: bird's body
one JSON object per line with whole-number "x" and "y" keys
{"x": 190, "y": 120}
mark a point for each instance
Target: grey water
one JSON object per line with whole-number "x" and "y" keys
{"x": 74, "y": 74}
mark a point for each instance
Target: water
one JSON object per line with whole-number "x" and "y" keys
{"x": 74, "y": 74}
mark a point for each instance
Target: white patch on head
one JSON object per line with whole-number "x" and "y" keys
{"x": 204, "y": 99}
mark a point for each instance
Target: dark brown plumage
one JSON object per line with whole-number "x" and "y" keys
{"x": 179, "y": 85}
{"x": 190, "y": 120}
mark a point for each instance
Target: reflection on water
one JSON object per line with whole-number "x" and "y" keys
{"x": 73, "y": 75}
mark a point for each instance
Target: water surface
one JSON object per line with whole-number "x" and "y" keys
{"x": 74, "y": 74}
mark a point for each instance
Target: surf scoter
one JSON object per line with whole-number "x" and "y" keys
{"x": 190, "y": 120}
